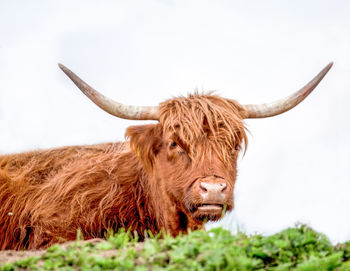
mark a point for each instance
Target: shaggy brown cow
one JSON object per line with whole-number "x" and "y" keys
{"x": 173, "y": 175}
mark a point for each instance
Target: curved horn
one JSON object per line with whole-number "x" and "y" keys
{"x": 112, "y": 107}
{"x": 280, "y": 106}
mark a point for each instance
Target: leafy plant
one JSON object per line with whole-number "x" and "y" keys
{"x": 298, "y": 248}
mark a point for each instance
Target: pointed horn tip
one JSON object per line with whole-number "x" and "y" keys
{"x": 330, "y": 64}
{"x": 62, "y": 67}
{"x": 325, "y": 70}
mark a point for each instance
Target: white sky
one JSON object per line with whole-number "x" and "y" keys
{"x": 297, "y": 165}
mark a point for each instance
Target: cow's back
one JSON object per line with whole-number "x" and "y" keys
{"x": 36, "y": 167}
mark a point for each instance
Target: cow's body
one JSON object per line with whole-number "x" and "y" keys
{"x": 46, "y": 196}
{"x": 173, "y": 176}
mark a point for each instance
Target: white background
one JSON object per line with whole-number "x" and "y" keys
{"x": 143, "y": 52}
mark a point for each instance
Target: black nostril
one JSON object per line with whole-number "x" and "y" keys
{"x": 223, "y": 187}
{"x": 202, "y": 187}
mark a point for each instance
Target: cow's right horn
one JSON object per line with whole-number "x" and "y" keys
{"x": 110, "y": 106}
{"x": 283, "y": 105}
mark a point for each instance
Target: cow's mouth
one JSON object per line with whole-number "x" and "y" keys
{"x": 210, "y": 207}
{"x": 207, "y": 211}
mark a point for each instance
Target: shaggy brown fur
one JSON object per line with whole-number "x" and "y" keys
{"x": 146, "y": 183}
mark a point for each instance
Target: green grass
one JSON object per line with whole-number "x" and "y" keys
{"x": 299, "y": 248}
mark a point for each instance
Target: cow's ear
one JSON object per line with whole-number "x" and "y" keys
{"x": 145, "y": 141}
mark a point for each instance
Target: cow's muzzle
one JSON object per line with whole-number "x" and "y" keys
{"x": 213, "y": 194}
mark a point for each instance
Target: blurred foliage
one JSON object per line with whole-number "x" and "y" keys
{"x": 298, "y": 248}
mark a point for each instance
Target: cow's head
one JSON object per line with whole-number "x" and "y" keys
{"x": 191, "y": 153}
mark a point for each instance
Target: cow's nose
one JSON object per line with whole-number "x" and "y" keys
{"x": 212, "y": 190}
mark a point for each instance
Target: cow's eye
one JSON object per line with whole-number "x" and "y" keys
{"x": 173, "y": 144}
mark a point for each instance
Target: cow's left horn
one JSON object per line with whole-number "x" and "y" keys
{"x": 283, "y": 105}
{"x": 112, "y": 107}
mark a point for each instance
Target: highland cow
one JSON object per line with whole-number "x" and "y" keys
{"x": 173, "y": 175}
